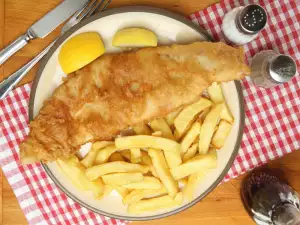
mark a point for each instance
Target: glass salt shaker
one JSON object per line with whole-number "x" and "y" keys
{"x": 270, "y": 69}
{"x": 269, "y": 199}
{"x": 242, "y": 24}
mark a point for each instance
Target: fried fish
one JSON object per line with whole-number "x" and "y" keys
{"x": 119, "y": 90}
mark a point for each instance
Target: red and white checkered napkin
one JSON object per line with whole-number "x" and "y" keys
{"x": 40, "y": 199}
{"x": 272, "y": 126}
{"x": 272, "y": 120}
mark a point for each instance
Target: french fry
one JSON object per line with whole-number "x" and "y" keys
{"x": 188, "y": 115}
{"x": 173, "y": 159}
{"x": 126, "y": 154}
{"x": 158, "y": 165}
{"x": 226, "y": 115}
{"x": 97, "y": 188}
{"x": 172, "y": 149}
{"x": 116, "y": 156}
{"x": 150, "y": 193}
{"x": 190, "y": 153}
{"x": 90, "y": 158}
{"x": 162, "y": 170}
{"x": 107, "y": 190}
{"x": 133, "y": 196}
{"x": 198, "y": 163}
{"x": 122, "y": 178}
{"x": 217, "y": 97}
{"x": 121, "y": 190}
{"x": 114, "y": 167}
{"x": 75, "y": 171}
{"x": 102, "y": 144}
{"x": 203, "y": 114}
{"x": 154, "y": 151}
{"x": 154, "y": 204}
{"x": 142, "y": 129}
{"x": 182, "y": 181}
{"x": 208, "y": 128}
{"x": 190, "y": 136}
{"x": 146, "y": 183}
{"x": 193, "y": 180}
{"x": 171, "y": 117}
{"x": 178, "y": 136}
{"x": 138, "y": 194}
{"x": 157, "y": 134}
{"x": 144, "y": 141}
{"x": 72, "y": 169}
{"x": 147, "y": 161}
{"x": 215, "y": 93}
{"x": 221, "y": 134}
{"x": 160, "y": 124}
{"x": 196, "y": 141}
{"x": 135, "y": 155}
{"x": 104, "y": 154}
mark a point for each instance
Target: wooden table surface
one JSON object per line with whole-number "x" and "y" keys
{"x": 222, "y": 206}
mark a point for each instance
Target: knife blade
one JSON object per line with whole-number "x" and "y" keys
{"x": 44, "y": 26}
{"x": 56, "y": 17}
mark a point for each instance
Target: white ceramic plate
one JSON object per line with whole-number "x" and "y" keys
{"x": 170, "y": 28}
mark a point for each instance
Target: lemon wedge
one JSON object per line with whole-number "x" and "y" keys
{"x": 79, "y": 51}
{"x": 134, "y": 37}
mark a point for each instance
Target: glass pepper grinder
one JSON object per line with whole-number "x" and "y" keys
{"x": 242, "y": 24}
{"x": 269, "y": 199}
{"x": 270, "y": 69}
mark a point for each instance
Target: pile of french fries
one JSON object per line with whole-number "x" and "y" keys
{"x": 162, "y": 164}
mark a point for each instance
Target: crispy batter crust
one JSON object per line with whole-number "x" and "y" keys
{"x": 119, "y": 90}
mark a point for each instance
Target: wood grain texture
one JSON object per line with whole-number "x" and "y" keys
{"x": 20, "y": 14}
{"x": 12, "y": 213}
{"x": 1, "y": 33}
{"x": 222, "y": 206}
{"x": 1, "y": 193}
{"x": 15, "y": 18}
{"x": 1, "y": 77}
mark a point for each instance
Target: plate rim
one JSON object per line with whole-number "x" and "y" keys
{"x": 181, "y": 19}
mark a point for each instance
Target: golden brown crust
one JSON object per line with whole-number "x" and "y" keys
{"x": 120, "y": 90}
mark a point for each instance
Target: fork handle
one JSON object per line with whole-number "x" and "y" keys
{"x": 9, "y": 83}
{"x": 14, "y": 47}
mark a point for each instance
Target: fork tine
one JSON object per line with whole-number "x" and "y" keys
{"x": 97, "y": 6}
{"x": 105, "y": 6}
{"x": 88, "y": 9}
{"x": 73, "y": 20}
{"x": 79, "y": 11}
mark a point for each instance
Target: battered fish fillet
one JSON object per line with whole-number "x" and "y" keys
{"x": 120, "y": 90}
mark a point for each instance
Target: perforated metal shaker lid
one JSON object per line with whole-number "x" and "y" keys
{"x": 282, "y": 68}
{"x": 251, "y": 19}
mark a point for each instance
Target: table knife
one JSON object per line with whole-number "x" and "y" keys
{"x": 43, "y": 27}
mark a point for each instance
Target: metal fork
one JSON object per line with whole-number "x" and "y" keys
{"x": 89, "y": 9}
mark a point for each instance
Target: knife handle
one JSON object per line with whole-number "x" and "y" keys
{"x": 13, "y": 47}
{"x": 10, "y": 82}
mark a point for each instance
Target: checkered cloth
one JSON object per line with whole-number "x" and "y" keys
{"x": 272, "y": 120}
